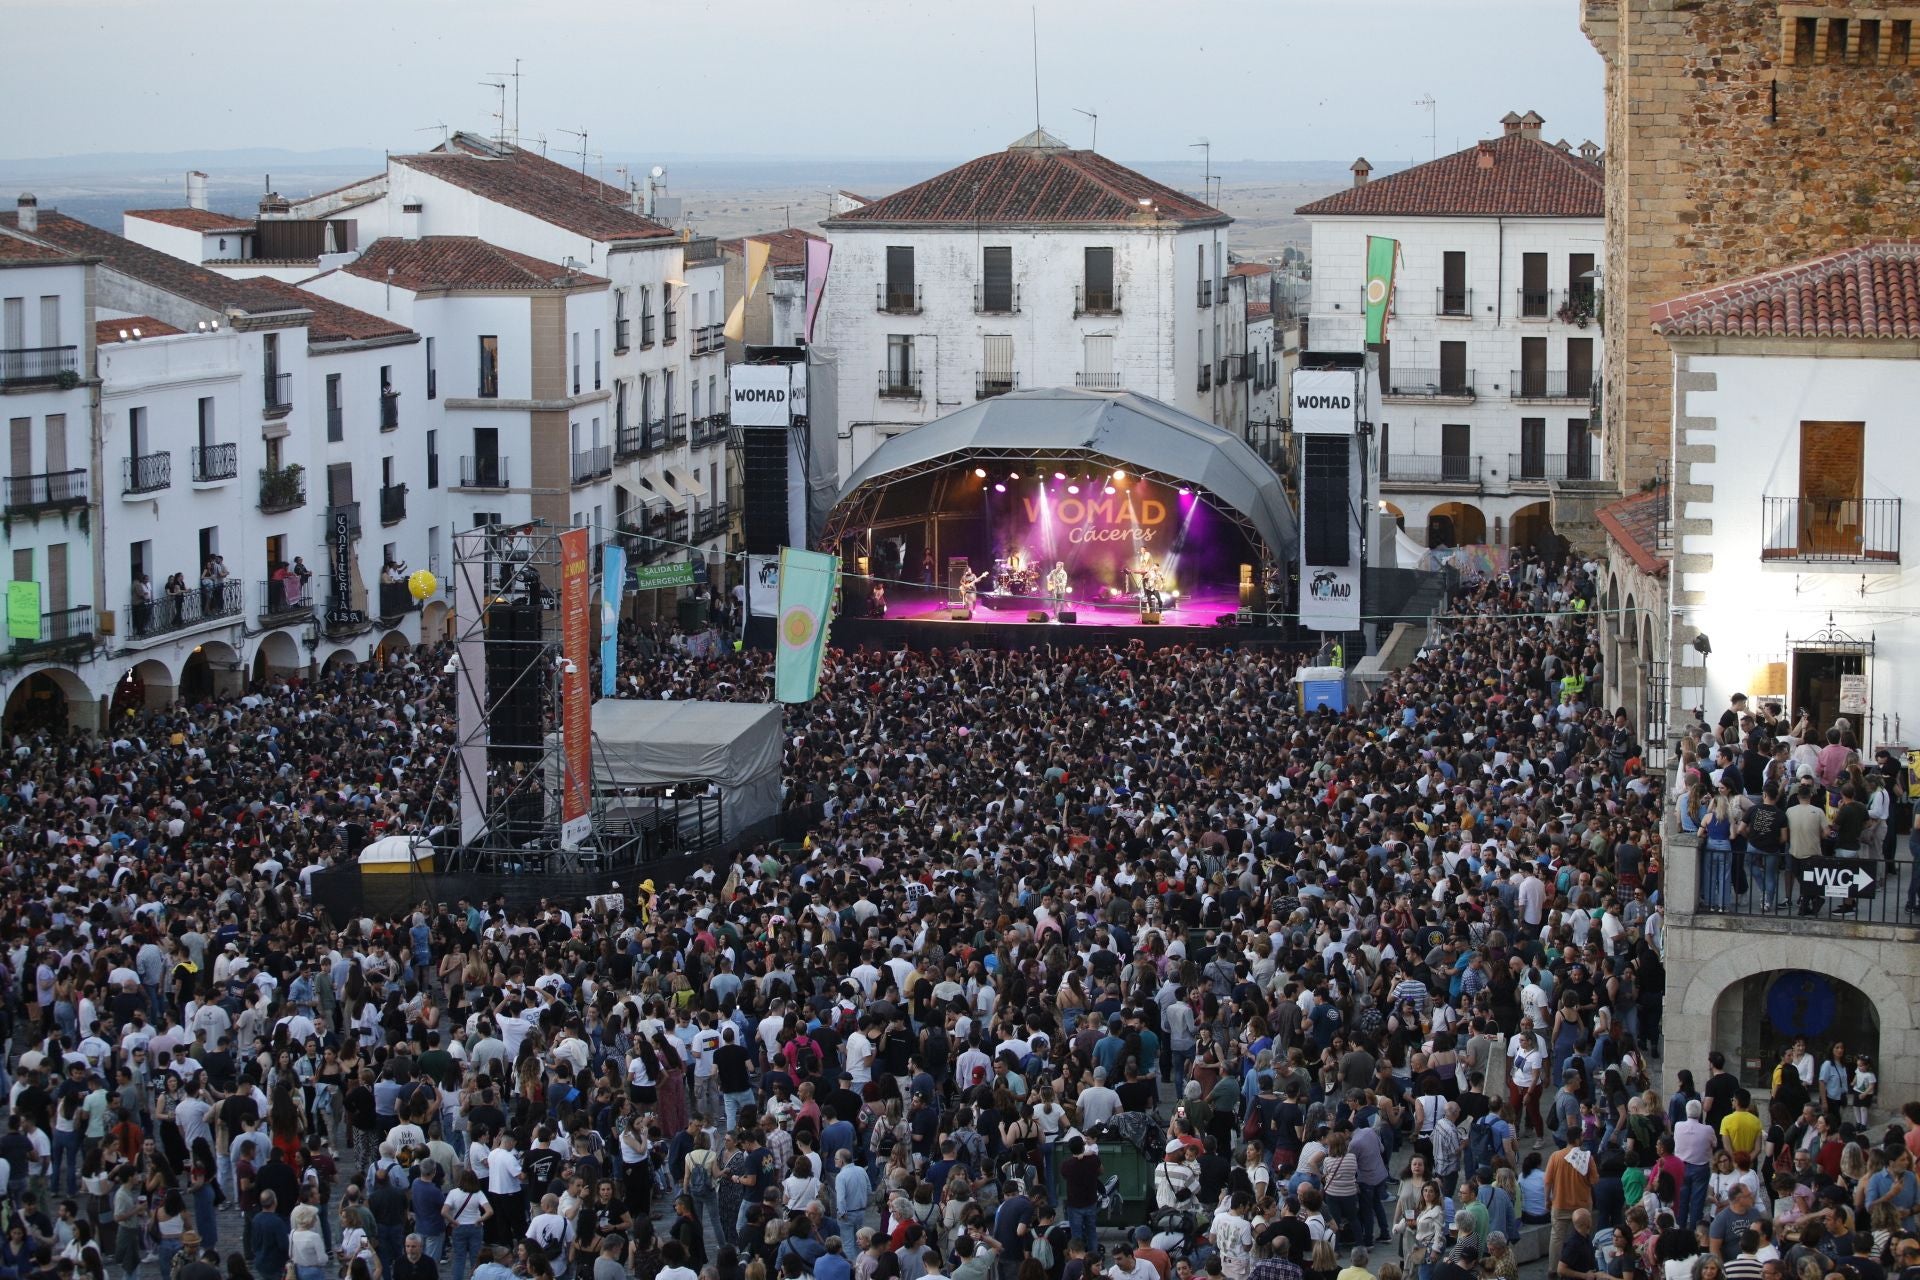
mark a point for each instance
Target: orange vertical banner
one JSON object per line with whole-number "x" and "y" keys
{"x": 576, "y": 707}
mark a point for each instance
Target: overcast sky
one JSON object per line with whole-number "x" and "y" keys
{"x": 1263, "y": 79}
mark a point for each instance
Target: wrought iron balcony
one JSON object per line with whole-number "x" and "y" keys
{"x": 284, "y": 599}
{"x": 897, "y": 299}
{"x": 1204, "y": 293}
{"x": 592, "y": 464}
{"x": 393, "y": 503}
{"x": 487, "y": 471}
{"x": 282, "y": 488}
{"x": 1430, "y": 468}
{"x": 1830, "y": 530}
{"x": 901, "y": 384}
{"x": 676, "y": 428}
{"x": 215, "y": 462}
{"x": 1099, "y": 381}
{"x": 147, "y": 473}
{"x": 1452, "y": 302}
{"x": 60, "y": 630}
{"x": 46, "y": 491}
{"x": 176, "y": 611}
{"x": 1551, "y": 384}
{"x": 997, "y": 383}
{"x": 389, "y": 410}
{"x": 1096, "y": 302}
{"x": 279, "y": 393}
{"x": 1534, "y": 304}
{"x": 396, "y": 600}
{"x": 996, "y": 301}
{"x": 1430, "y": 384}
{"x": 26, "y": 366}
{"x": 1541, "y": 468}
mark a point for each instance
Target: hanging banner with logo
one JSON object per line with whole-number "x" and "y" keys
{"x": 1325, "y": 401}
{"x": 807, "y": 582}
{"x": 763, "y": 585}
{"x": 23, "y": 610}
{"x": 1330, "y": 598}
{"x": 1381, "y": 253}
{"x": 758, "y": 395}
{"x": 819, "y": 257}
{"x": 576, "y": 711}
{"x": 613, "y": 582}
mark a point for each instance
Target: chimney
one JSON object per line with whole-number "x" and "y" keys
{"x": 1509, "y": 124}
{"x": 1563, "y": 145}
{"x": 196, "y": 189}
{"x": 274, "y": 205}
{"x": 410, "y": 220}
{"x": 1483, "y": 154}
{"x": 1361, "y": 171}
{"x": 1530, "y": 125}
{"x": 1590, "y": 150}
{"x": 29, "y": 215}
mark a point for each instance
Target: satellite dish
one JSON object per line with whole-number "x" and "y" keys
{"x": 658, "y": 171}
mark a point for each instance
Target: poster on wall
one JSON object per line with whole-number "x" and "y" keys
{"x": 1330, "y": 598}
{"x": 576, "y": 727}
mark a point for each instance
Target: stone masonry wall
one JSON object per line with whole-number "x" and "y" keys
{"x": 1742, "y": 136}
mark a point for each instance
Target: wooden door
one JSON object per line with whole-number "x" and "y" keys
{"x": 1832, "y": 462}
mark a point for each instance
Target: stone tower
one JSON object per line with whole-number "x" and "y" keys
{"x": 1742, "y": 135}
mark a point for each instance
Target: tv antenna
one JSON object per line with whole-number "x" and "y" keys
{"x": 513, "y": 75}
{"x": 1095, "y": 117}
{"x": 582, "y": 135}
{"x": 1206, "y": 177}
{"x": 429, "y": 128}
{"x": 1433, "y": 124}
{"x": 500, "y": 116}
{"x": 1034, "y": 12}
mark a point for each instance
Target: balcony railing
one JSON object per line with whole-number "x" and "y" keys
{"x": 710, "y": 429}
{"x": 215, "y": 462}
{"x": 676, "y": 428}
{"x": 1430, "y": 468}
{"x": 1537, "y": 468}
{"x": 900, "y": 384}
{"x": 484, "y": 472}
{"x": 1551, "y": 384}
{"x": 700, "y": 249}
{"x": 282, "y": 489}
{"x": 46, "y": 491}
{"x": 389, "y": 410}
{"x": 1534, "y": 304}
{"x": 1203, "y": 294}
{"x": 640, "y": 439}
{"x": 284, "y": 598}
{"x": 591, "y": 464}
{"x": 1206, "y": 377}
{"x": 25, "y": 366}
{"x": 175, "y": 612}
{"x": 393, "y": 503}
{"x": 1830, "y": 530}
{"x": 709, "y": 338}
{"x": 60, "y": 629}
{"x": 1099, "y": 381}
{"x": 1430, "y": 384}
{"x": 1452, "y": 302}
{"x": 1096, "y": 302}
{"x": 1233, "y": 368}
{"x": 996, "y": 301}
{"x": 997, "y": 383}
{"x": 147, "y": 473}
{"x": 621, "y": 328}
{"x": 898, "y": 300}
{"x": 1845, "y": 893}
{"x": 396, "y": 600}
{"x": 279, "y": 388}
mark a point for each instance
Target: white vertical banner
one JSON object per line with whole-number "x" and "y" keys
{"x": 470, "y": 651}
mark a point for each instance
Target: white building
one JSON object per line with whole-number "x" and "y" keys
{"x": 1489, "y": 369}
{"x": 776, "y": 314}
{"x": 1792, "y": 458}
{"x": 1035, "y": 266}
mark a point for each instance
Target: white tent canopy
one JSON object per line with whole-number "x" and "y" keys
{"x": 402, "y": 850}
{"x": 732, "y": 745}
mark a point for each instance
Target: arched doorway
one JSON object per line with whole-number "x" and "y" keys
{"x": 147, "y": 684}
{"x": 1456, "y": 524}
{"x": 1762, "y": 1014}
{"x": 1399, "y": 516}
{"x": 436, "y": 622}
{"x": 50, "y": 698}
{"x": 278, "y": 655}
{"x": 392, "y": 648}
{"x": 337, "y": 661}
{"x": 1532, "y": 527}
{"x": 212, "y": 670}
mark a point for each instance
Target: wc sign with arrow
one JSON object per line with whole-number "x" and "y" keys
{"x": 1838, "y": 879}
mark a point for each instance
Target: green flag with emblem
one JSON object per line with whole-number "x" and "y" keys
{"x": 1381, "y": 253}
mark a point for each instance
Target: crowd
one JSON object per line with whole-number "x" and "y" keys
{"x": 1354, "y": 995}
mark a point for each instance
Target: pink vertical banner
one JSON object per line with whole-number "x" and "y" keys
{"x": 819, "y": 255}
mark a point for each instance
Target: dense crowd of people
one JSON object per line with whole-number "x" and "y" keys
{"x": 1345, "y": 995}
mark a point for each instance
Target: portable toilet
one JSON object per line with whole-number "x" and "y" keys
{"x": 1317, "y": 687}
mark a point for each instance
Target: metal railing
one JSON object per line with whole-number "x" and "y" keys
{"x": 1452, "y": 302}
{"x": 286, "y": 597}
{"x": 282, "y": 488}
{"x": 591, "y": 464}
{"x": 393, "y": 503}
{"x": 396, "y": 599}
{"x": 709, "y": 338}
{"x": 997, "y": 383}
{"x": 1542, "y": 467}
{"x": 900, "y": 384}
{"x": 147, "y": 473}
{"x": 1203, "y": 293}
{"x": 621, "y": 328}
{"x": 1098, "y": 381}
{"x": 1431, "y": 468}
{"x": 1096, "y": 302}
{"x": 279, "y": 389}
{"x": 23, "y": 365}
{"x": 640, "y": 439}
{"x": 59, "y": 628}
{"x": 899, "y": 300}
{"x": 1534, "y": 304}
{"x": 389, "y": 410}
{"x": 996, "y": 302}
{"x": 1830, "y": 530}
{"x": 487, "y": 471}
{"x": 1431, "y": 384}
{"x": 1206, "y": 377}
{"x": 710, "y": 429}
{"x": 215, "y": 462}
{"x": 46, "y": 491}
{"x": 700, "y": 249}
{"x": 179, "y": 610}
{"x": 676, "y": 428}
{"x": 1807, "y": 894}
{"x": 1551, "y": 384}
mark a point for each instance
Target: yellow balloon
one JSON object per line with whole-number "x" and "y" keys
{"x": 421, "y": 584}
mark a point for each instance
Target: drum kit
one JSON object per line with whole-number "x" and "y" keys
{"x": 1014, "y": 576}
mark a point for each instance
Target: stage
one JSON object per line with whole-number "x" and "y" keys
{"x": 1203, "y": 609}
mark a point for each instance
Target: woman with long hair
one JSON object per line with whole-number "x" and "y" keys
{"x": 287, "y": 1124}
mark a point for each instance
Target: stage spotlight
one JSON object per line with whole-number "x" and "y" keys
{"x": 1109, "y": 488}
{"x": 1186, "y": 493}
{"x": 1118, "y": 474}
{"x": 999, "y": 488}
{"x": 980, "y": 473}
{"x": 1059, "y": 475}
{"x": 1073, "y": 488}
{"x": 1013, "y": 475}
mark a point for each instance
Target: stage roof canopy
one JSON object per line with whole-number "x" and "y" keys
{"x": 1134, "y": 431}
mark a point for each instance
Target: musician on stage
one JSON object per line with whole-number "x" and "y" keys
{"x": 1152, "y": 579}
{"x": 969, "y": 587}
{"x": 1057, "y": 586}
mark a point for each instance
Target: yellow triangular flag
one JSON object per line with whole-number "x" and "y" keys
{"x": 757, "y": 252}
{"x": 736, "y": 329}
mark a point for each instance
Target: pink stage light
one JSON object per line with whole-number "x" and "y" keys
{"x": 1073, "y": 488}
{"x": 1059, "y": 475}
{"x": 999, "y": 488}
{"x": 1186, "y": 493}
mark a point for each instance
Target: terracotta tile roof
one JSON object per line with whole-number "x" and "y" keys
{"x": 334, "y": 321}
{"x": 1031, "y": 184}
{"x": 13, "y": 250}
{"x": 787, "y": 247}
{"x": 1527, "y": 178}
{"x": 537, "y": 186}
{"x": 1634, "y": 523}
{"x": 1869, "y": 291}
{"x": 1259, "y": 311}
{"x": 163, "y": 271}
{"x": 1249, "y": 269}
{"x": 460, "y": 262}
{"x": 105, "y": 331}
{"x": 192, "y": 219}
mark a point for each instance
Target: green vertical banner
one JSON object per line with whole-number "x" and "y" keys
{"x": 807, "y": 580}
{"x": 23, "y": 611}
{"x": 1381, "y": 253}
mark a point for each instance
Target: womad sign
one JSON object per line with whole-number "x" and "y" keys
{"x": 1110, "y": 518}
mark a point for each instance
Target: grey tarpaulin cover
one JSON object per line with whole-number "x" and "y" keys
{"x": 735, "y": 745}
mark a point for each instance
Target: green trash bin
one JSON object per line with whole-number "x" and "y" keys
{"x": 693, "y": 613}
{"x": 1124, "y": 1161}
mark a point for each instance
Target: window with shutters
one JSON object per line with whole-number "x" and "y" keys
{"x": 1098, "y": 293}
{"x": 997, "y": 374}
{"x": 1453, "y": 283}
{"x": 996, "y": 295}
{"x": 1534, "y": 294}
{"x": 900, "y": 292}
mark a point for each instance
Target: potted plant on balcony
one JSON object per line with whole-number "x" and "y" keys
{"x": 281, "y": 488}
{"x": 1576, "y": 311}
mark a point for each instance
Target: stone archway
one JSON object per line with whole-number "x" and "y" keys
{"x": 147, "y": 685}
{"x": 212, "y": 670}
{"x": 436, "y": 622}
{"x": 337, "y": 661}
{"x": 50, "y": 698}
{"x": 1456, "y": 524}
{"x": 1532, "y": 527}
{"x": 393, "y": 647}
{"x": 278, "y": 655}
